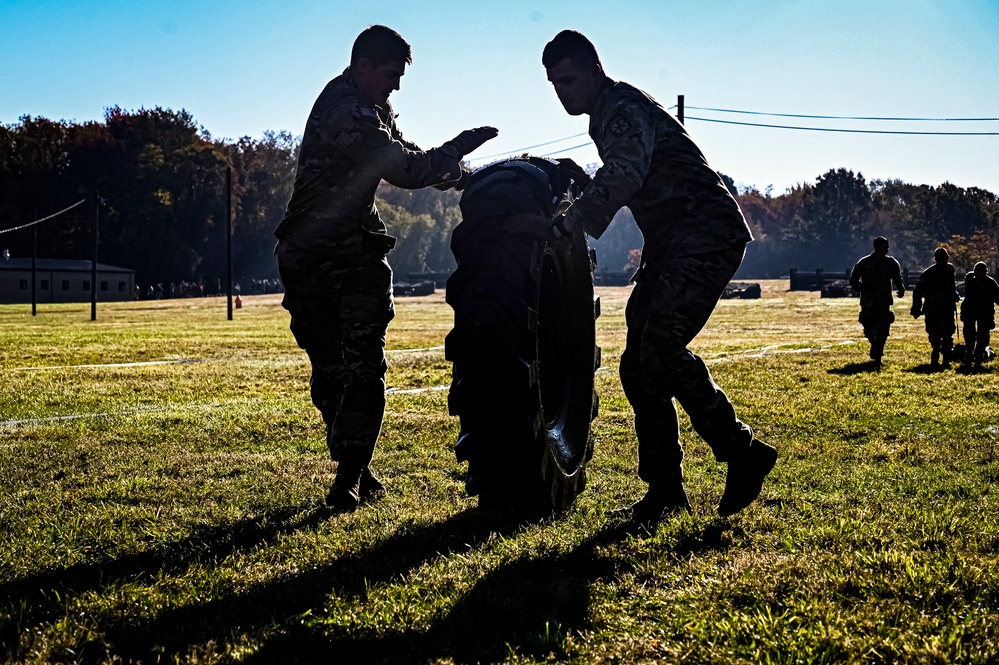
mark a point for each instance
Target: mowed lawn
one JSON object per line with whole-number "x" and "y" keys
{"x": 162, "y": 472}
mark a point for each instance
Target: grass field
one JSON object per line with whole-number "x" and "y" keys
{"x": 162, "y": 469}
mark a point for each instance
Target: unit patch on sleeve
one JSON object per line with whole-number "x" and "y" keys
{"x": 619, "y": 125}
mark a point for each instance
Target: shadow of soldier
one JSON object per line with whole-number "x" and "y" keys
{"x": 43, "y": 596}
{"x": 527, "y": 606}
{"x": 856, "y": 368}
{"x": 174, "y": 631}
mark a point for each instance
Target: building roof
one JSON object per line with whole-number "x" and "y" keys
{"x": 60, "y": 265}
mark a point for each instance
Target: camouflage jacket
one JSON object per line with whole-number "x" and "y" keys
{"x": 981, "y": 294}
{"x": 349, "y": 146}
{"x": 651, "y": 165}
{"x": 935, "y": 292}
{"x": 873, "y": 277}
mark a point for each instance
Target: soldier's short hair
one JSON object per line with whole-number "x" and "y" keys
{"x": 381, "y": 45}
{"x": 880, "y": 241}
{"x": 941, "y": 253}
{"x": 573, "y": 45}
{"x": 981, "y": 267}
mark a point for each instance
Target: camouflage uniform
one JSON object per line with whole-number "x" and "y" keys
{"x": 981, "y": 294}
{"x": 873, "y": 277}
{"x": 695, "y": 239}
{"x": 935, "y": 298}
{"x": 331, "y": 256}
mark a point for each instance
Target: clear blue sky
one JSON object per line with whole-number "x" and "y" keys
{"x": 245, "y": 67}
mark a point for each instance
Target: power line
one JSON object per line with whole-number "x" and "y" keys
{"x": 842, "y": 117}
{"x": 536, "y": 145}
{"x": 848, "y": 131}
{"x": 43, "y": 219}
{"x": 516, "y": 151}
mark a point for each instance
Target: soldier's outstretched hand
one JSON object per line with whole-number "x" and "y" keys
{"x": 469, "y": 141}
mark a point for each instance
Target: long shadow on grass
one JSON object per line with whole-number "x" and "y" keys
{"x": 855, "y": 368}
{"x": 40, "y": 597}
{"x": 256, "y": 610}
{"x": 527, "y": 606}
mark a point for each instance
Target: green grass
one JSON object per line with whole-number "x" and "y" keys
{"x": 167, "y": 509}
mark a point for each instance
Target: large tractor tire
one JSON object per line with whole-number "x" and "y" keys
{"x": 523, "y": 346}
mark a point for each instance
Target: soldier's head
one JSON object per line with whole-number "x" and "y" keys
{"x": 574, "y": 70}
{"x": 981, "y": 268}
{"x": 378, "y": 61}
{"x": 941, "y": 255}
{"x": 881, "y": 246}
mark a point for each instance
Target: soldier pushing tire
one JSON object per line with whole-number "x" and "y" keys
{"x": 523, "y": 346}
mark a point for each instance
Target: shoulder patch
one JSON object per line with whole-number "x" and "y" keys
{"x": 367, "y": 113}
{"x": 619, "y": 124}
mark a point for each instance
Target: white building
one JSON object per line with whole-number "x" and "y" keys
{"x": 62, "y": 280}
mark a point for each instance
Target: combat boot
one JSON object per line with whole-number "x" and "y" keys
{"x": 370, "y": 488}
{"x": 935, "y": 357}
{"x": 345, "y": 493}
{"x": 660, "y": 501}
{"x": 746, "y": 473}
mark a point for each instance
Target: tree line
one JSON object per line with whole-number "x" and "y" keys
{"x": 162, "y": 178}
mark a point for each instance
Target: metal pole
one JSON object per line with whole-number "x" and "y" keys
{"x": 93, "y": 264}
{"x": 228, "y": 240}
{"x": 34, "y": 270}
{"x": 679, "y": 108}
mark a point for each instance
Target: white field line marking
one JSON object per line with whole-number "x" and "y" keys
{"x": 182, "y": 361}
{"x": 415, "y": 391}
{"x": 752, "y": 353}
{"x": 773, "y": 351}
{"x": 178, "y": 407}
{"x": 429, "y": 348}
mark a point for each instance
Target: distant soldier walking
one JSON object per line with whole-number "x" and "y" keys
{"x": 332, "y": 247}
{"x": 695, "y": 240}
{"x": 935, "y": 297}
{"x": 873, "y": 277}
{"x": 981, "y": 294}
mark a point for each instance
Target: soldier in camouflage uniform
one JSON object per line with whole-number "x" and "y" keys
{"x": 873, "y": 277}
{"x": 981, "y": 295}
{"x": 935, "y": 297}
{"x": 332, "y": 247}
{"x": 695, "y": 240}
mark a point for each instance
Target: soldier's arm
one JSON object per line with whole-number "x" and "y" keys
{"x": 897, "y": 279}
{"x": 371, "y": 145}
{"x": 627, "y": 158}
{"x": 855, "y": 281}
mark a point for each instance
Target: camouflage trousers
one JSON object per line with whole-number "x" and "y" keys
{"x": 339, "y": 315}
{"x": 668, "y": 307}
{"x": 877, "y": 322}
{"x": 977, "y": 335}
{"x": 940, "y": 328}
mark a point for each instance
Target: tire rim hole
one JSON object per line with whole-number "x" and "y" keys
{"x": 553, "y": 345}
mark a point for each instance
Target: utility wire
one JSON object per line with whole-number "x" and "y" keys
{"x": 848, "y": 131}
{"x": 517, "y": 151}
{"x": 43, "y": 219}
{"x": 780, "y": 115}
{"x": 536, "y": 145}
{"x": 842, "y": 117}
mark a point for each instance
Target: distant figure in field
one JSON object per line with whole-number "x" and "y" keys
{"x": 981, "y": 294}
{"x": 873, "y": 277}
{"x": 332, "y": 247}
{"x": 935, "y": 297}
